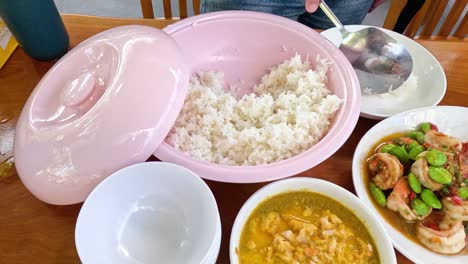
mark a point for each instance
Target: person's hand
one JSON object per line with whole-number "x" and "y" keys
{"x": 311, "y": 5}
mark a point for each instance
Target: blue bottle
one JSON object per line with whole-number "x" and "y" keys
{"x": 37, "y": 26}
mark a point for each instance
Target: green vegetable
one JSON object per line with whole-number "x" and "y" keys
{"x": 440, "y": 175}
{"x": 412, "y": 145}
{"x": 420, "y": 138}
{"x": 386, "y": 148}
{"x": 400, "y": 153}
{"x": 419, "y": 207}
{"x": 412, "y": 134}
{"x": 416, "y": 135}
{"x": 463, "y": 192}
{"x": 414, "y": 183}
{"x": 430, "y": 199}
{"x": 436, "y": 157}
{"x": 424, "y": 127}
{"x": 378, "y": 194}
{"x": 414, "y": 152}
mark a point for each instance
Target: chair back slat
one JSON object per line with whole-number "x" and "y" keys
{"x": 147, "y": 8}
{"x": 413, "y": 27}
{"x": 429, "y": 16}
{"x": 452, "y": 18}
{"x": 196, "y": 7}
{"x": 433, "y": 15}
{"x": 393, "y": 12}
{"x": 182, "y": 9}
{"x": 462, "y": 29}
{"x": 167, "y": 9}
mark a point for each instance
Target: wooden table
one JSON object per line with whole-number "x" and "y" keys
{"x": 34, "y": 232}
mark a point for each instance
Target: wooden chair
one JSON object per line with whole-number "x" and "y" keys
{"x": 429, "y": 16}
{"x": 147, "y": 8}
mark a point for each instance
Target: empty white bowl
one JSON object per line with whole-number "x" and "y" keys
{"x": 151, "y": 212}
{"x": 431, "y": 81}
{"x": 373, "y": 225}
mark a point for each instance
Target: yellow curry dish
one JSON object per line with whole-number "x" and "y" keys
{"x": 305, "y": 227}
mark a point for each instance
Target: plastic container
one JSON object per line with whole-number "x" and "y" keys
{"x": 37, "y": 26}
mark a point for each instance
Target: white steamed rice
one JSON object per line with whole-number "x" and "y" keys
{"x": 289, "y": 111}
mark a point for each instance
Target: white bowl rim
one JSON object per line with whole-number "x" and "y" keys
{"x": 217, "y": 235}
{"x": 262, "y": 195}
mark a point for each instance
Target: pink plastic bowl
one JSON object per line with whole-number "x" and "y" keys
{"x": 244, "y": 45}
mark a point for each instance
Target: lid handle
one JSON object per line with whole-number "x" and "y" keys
{"x": 78, "y": 90}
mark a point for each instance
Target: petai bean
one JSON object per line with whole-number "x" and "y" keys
{"x": 412, "y": 145}
{"x": 414, "y": 152}
{"x": 400, "y": 153}
{"x": 436, "y": 157}
{"x": 414, "y": 183}
{"x": 419, "y": 207}
{"x": 440, "y": 175}
{"x": 424, "y": 127}
{"x": 463, "y": 192}
{"x": 430, "y": 199}
{"x": 378, "y": 194}
{"x": 386, "y": 148}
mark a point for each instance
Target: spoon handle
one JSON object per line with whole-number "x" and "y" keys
{"x": 329, "y": 13}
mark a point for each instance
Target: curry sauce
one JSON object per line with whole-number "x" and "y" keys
{"x": 305, "y": 227}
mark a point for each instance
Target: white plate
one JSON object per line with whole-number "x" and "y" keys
{"x": 451, "y": 120}
{"x": 430, "y": 78}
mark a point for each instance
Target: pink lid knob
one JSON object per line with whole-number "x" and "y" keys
{"x": 78, "y": 90}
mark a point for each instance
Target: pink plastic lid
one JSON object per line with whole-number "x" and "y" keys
{"x": 107, "y": 104}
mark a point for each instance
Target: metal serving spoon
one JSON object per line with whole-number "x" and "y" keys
{"x": 381, "y": 63}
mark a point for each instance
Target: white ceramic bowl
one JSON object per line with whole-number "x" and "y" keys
{"x": 151, "y": 212}
{"x": 378, "y": 233}
{"x": 430, "y": 75}
{"x": 450, "y": 120}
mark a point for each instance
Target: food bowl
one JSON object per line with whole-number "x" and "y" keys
{"x": 335, "y": 192}
{"x": 450, "y": 120}
{"x": 431, "y": 81}
{"x": 244, "y": 45}
{"x": 152, "y": 212}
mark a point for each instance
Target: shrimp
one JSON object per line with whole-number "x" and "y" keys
{"x": 420, "y": 169}
{"x": 451, "y": 164}
{"x": 281, "y": 244}
{"x": 403, "y": 140}
{"x": 398, "y": 201}
{"x": 448, "y": 241}
{"x": 453, "y": 213}
{"x": 386, "y": 170}
{"x": 465, "y": 210}
{"x": 439, "y": 139}
{"x": 463, "y": 160}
